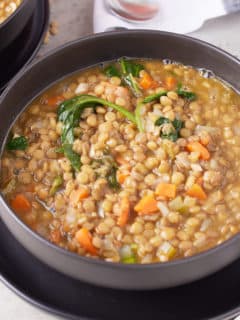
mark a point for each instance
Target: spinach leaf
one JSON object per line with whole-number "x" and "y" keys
{"x": 177, "y": 125}
{"x": 186, "y": 94}
{"x": 161, "y": 121}
{"x": 154, "y": 96}
{"x": 72, "y": 156}
{"x": 57, "y": 182}
{"x": 140, "y": 104}
{"x": 131, "y": 67}
{"x": 112, "y": 178}
{"x": 18, "y": 143}
{"x": 111, "y": 71}
{"x": 130, "y": 70}
{"x": 69, "y": 112}
{"x": 173, "y": 136}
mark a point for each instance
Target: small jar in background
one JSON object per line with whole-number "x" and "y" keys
{"x": 134, "y": 10}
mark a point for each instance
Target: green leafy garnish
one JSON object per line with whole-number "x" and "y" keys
{"x": 148, "y": 99}
{"x": 131, "y": 67}
{"x": 106, "y": 167}
{"x": 18, "y": 143}
{"x": 130, "y": 70}
{"x": 154, "y": 96}
{"x": 112, "y": 178}
{"x": 186, "y": 94}
{"x": 57, "y": 182}
{"x": 111, "y": 71}
{"x": 161, "y": 121}
{"x": 176, "y": 126}
{"x": 69, "y": 112}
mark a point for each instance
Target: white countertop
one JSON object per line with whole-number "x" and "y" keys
{"x": 223, "y": 32}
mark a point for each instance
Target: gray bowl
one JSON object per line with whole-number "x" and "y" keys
{"x": 84, "y": 53}
{"x": 11, "y": 28}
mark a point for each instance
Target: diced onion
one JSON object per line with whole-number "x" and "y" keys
{"x": 163, "y": 208}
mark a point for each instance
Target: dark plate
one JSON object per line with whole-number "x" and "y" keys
{"x": 216, "y": 297}
{"x": 25, "y": 47}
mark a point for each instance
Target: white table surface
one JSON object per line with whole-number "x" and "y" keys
{"x": 223, "y": 32}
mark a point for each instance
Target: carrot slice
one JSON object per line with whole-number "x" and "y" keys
{"x": 79, "y": 194}
{"x": 21, "y": 204}
{"x": 166, "y": 190}
{"x": 146, "y": 81}
{"x": 55, "y": 100}
{"x": 84, "y": 237}
{"x": 121, "y": 177}
{"x": 146, "y": 205}
{"x": 125, "y": 211}
{"x": 198, "y": 147}
{"x": 170, "y": 82}
{"x": 196, "y": 191}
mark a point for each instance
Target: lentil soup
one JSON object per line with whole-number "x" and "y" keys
{"x": 137, "y": 162}
{"x": 8, "y": 7}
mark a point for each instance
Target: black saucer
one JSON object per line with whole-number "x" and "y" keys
{"x": 216, "y": 297}
{"x": 25, "y": 47}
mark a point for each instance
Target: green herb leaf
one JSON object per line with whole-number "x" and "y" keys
{"x": 130, "y": 70}
{"x": 73, "y": 157}
{"x": 186, "y": 94}
{"x": 131, "y": 67}
{"x": 173, "y": 136}
{"x": 154, "y": 96}
{"x": 57, "y": 182}
{"x": 69, "y": 112}
{"x": 178, "y": 124}
{"x": 111, "y": 71}
{"x": 132, "y": 83}
{"x": 161, "y": 121}
{"x": 18, "y": 143}
{"x": 112, "y": 178}
{"x": 59, "y": 150}
{"x": 175, "y": 133}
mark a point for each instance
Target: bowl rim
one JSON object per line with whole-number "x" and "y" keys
{"x": 91, "y": 260}
{"x": 12, "y": 16}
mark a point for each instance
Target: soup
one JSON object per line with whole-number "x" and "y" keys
{"x": 133, "y": 162}
{"x": 7, "y": 7}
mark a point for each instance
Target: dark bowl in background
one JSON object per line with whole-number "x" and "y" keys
{"x": 84, "y": 53}
{"x": 15, "y": 23}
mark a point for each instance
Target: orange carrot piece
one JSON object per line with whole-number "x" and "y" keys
{"x": 170, "y": 82}
{"x": 166, "y": 190}
{"x": 196, "y": 191}
{"x": 121, "y": 177}
{"x": 21, "y": 204}
{"x": 79, "y": 194}
{"x": 55, "y": 100}
{"x": 198, "y": 147}
{"x": 147, "y": 205}
{"x": 125, "y": 211}
{"x": 84, "y": 237}
{"x": 146, "y": 81}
